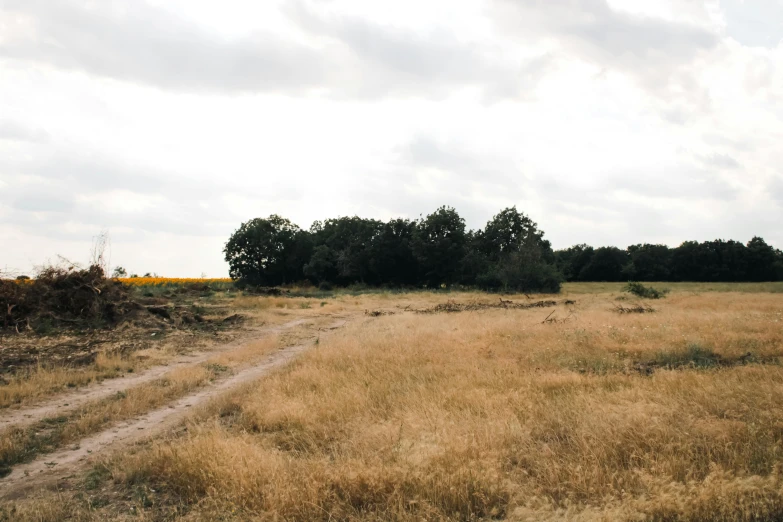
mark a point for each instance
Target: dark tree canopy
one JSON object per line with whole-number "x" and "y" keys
{"x": 709, "y": 261}
{"x": 439, "y": 245}
{"x": 512, "y": 231}
{"x": 267, "y": 251}
{"x": 346, "y": 242}
{"x": 606, "y": 264}
{"x": 508, "y": 254}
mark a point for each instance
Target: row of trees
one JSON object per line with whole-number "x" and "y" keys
{"x": 509, "y": 253}
{"x": 709, "y": 261}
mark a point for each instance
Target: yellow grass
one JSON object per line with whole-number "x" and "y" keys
{"x": 43, "y": 381}
{"x": 129, "y": 403}
{"x": 491, "y": 414}
{"x": 592, "y": 288}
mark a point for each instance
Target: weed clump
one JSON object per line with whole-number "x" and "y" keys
{"x": 647, "y": 292}
{"x": 694, "y": 356}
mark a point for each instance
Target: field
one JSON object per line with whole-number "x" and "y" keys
{"x": 410, "y": 406}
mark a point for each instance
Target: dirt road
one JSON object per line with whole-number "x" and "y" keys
{"x": 48, "y": 468}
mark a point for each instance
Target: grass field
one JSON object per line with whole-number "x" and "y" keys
{"x": 494, "y": 413}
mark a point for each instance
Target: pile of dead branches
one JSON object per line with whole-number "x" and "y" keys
{"x": 64, "y": 296}
{"x": 378, "y": 313}
{"x": 634, "y": 309}
{"x": 453, "y": 306}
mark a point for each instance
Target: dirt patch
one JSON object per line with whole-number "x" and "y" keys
{"x": 634, "y": 309}
{"x": 453, "y": 306}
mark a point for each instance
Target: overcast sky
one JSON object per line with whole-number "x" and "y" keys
{"x": 170, "y": 122}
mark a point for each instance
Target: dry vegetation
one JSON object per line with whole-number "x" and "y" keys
{"x": 486, "y": 412}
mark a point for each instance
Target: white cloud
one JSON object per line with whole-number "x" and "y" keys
{"x": 609, "y": 122}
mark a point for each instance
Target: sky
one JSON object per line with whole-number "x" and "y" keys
{"x": 168, "y": 123}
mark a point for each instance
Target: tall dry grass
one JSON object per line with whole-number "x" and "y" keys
{"x": 495, "y": 415}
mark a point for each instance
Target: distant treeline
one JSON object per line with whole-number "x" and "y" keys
{"x": 710, "y": 261}
{"x": 509, "y": 253}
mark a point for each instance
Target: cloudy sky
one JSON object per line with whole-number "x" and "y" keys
{"x": 169, "y": 122}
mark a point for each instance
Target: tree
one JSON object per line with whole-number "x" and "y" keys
{"x": 391, "y": 255}
{"x": 648, "y": 263}
{"x": 119, "y": 272}
{"x": 761, "y": 260}
{"x": 572, "y": 260}
{"x": 349, "y": 241}
{"x": 606, "y": 264}
{"x": 518, "y": 257}
{"x": 710, "y": 261}
{"x": 439, "y": 246}
{"x": 269, "y": 251}
{"x": 322, "y": 266}
{"x": 521, "y": 271}
{"x": 512, "y": 231}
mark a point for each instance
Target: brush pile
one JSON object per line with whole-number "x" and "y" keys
{"x": 634, "y": 309}
{"x": 71, "y": 296}
{"x": 453, "y": 306}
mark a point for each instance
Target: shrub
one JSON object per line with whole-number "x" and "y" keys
{"x": 646, "y": 292}
{"x": 516, "y": 273}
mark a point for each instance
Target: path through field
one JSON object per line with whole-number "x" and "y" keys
{"x": 50, "y": 467}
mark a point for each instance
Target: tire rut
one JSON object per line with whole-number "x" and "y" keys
{"x": 60, "y": 464}
{"x": 70, "y": 401}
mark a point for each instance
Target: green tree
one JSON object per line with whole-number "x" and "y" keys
{"x": 761, "y": 259}
{"x": 572, "y": 260}
{"x": 606, "y": 264}
{"x": 269, "y": 251}
{"x": 322, "y": 266}
{"x": 439, "y": 245}
{"x": 349, "y": 241}
{"x": 391, "y": 256}
{"x": 512, "y": 231}
{"x": 648, "y": 263}
{"x": 518, "y": 257}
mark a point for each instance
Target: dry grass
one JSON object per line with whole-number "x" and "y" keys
{"x": 593, "y": 288}
{"x": 492, "y": 414}
{"x": 42, "y": 381}
{"x": 29, "y": 385}
{"x": 22, "y": 444}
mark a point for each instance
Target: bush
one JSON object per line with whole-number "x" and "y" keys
{"x": 518, "y": 273}
{"x": 646, "y": 292}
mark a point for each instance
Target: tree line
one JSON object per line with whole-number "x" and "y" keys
{"x": 708, "y": 261}
{"x": 508, "y": 254}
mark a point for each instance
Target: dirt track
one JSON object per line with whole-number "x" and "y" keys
{"x": 50, "y": 467}
{"x": 67, "y": 402}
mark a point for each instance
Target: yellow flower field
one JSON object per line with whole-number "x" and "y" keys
{"x": 168, "y": 281}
